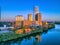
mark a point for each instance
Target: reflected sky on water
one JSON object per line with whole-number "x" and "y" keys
{"x": 51, "y": 37}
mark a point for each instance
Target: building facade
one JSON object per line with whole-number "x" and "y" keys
{"x": 38, "y": 19}
{"x": 36, "y": 10}
{"x": 30, "y": 17}
{"x": 19, "y": 21}
{"x": 37, "y": 16}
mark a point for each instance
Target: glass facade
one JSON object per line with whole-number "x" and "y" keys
{"x": 36, "y": 17}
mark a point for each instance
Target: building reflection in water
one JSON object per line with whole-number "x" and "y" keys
{"x": 14, "y": 42}
{"x": 37, "y": 40}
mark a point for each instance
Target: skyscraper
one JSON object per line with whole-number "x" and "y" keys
{"x": 37, "y": 16}
{"x": 19, "y": 18}
{"x": 30, "y": 17}
{"x": 19, "y": 21}
{"x": 38, "y": 19}
{"x": 36, "y": 10}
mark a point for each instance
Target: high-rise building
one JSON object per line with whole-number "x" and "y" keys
{"x": 19, "y": 21}
{"x": 38, "y": 19}
{"x": 37, "y": 16}
{"x": 19, "y": 18}
{"x": 36, "y": 10}
{"x": 30, "y": 17}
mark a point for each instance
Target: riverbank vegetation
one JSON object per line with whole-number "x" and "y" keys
{"x": 25, "y": 31}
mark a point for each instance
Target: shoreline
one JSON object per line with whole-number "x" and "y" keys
{"x": 24, "y": 34}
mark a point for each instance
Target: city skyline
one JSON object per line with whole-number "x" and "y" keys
{"x": 50, "y": 9}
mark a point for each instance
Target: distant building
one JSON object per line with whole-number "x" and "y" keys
{"x": 30, "y": 17}
{"x": 45, "y": 24}
{"x": 19, "y": 21}
{"x": 13, "y": 24}
{"x": 8, "y": 24}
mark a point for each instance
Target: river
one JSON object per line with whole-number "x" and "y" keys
{"x": 51, "y": 37}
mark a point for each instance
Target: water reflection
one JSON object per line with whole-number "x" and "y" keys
{"x": 57, "y": 26}
{"x": 24, "y": 41}
{"x": 37, "y": 40}
{"x": 33, "y": 39}
{"x": 14, "y": 42}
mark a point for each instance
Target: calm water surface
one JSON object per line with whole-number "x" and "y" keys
{"x": 52, "y": 37}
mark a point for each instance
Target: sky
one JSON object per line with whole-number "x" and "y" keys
{"x": 50, "y": 9}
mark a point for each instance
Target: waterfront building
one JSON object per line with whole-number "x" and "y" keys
{"x": 19, "y": 21}
{"x": 19, "y": 18}
{"x": 45, "y": 24}
{"x": 38, "y": 19}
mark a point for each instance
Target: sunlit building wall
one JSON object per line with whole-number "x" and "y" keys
{"x": 26, "y": 22}
{"x": 38, "y": 19}
{"x": 19, "y": 21}
{"x": 30, "y": 17}
{"x": 19, "y": 18}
